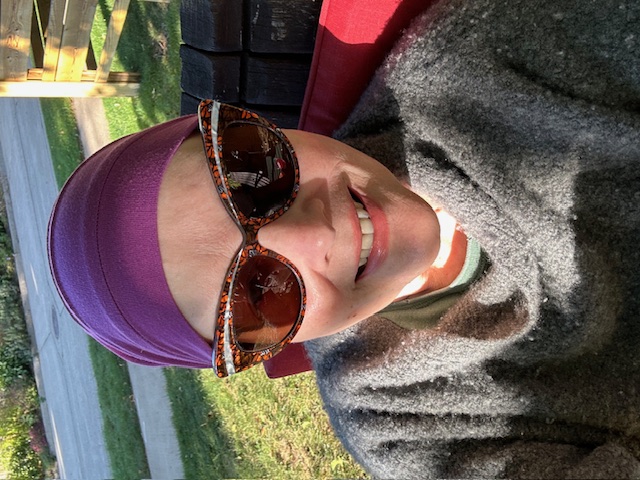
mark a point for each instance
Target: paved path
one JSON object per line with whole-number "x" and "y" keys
{"x": 65, "y": 377}
{"x": 72, "y": 413}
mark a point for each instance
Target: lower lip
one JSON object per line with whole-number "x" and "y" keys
{"x": 379, "y": 248}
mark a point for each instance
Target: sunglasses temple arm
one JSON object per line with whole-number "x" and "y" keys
{"x": 228, "y": 355}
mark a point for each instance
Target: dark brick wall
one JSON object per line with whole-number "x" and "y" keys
{"x": 252, "y": 53}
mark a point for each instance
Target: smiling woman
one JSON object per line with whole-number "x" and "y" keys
{"x": 512, "y": 355}
{"x": 155, "y": 267}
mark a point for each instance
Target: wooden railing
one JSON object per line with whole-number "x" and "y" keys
{"x": 58, "y": 34}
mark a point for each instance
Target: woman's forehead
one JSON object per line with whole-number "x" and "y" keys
{"x": 197, "y": 238}
{"x": 189, "y": 201}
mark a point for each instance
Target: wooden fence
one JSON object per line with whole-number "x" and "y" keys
{"x": 58, "y": 34}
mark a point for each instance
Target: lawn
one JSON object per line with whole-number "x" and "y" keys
{"x": 246, "y": 426}
{"x": 149, "y": 45}
{"x": 249, "y": 426}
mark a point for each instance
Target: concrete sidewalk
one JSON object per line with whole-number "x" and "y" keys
{"x": 65, "y": 376}
{"x": 71, "y": 411}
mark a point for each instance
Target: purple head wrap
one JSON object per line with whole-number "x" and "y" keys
{"x": 105, "y": 257}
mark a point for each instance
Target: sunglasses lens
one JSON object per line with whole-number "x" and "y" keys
{"x": 266, "y": 303}
{"x": 259, "y": 167}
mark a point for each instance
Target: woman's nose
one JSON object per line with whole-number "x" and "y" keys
{"x": 304, "y": 234}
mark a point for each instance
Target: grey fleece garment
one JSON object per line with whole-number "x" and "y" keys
{"x": 522, "y": 119}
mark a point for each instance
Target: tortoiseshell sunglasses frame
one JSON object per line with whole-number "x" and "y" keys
{"x": 228, "y": 356}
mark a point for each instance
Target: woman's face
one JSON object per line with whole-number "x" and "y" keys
{"x": 320, "y": 234}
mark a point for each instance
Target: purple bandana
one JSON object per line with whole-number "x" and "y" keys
{"x": 105, "y": 257}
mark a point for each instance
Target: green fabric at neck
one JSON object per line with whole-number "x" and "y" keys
{"x": 425, "y": 310}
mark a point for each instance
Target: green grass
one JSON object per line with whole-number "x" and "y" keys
{"x": 149, "y": 45}
{"x": 250, "y": 426}
{"x": 120, "y": 419}
{"x": 62, "y": 133}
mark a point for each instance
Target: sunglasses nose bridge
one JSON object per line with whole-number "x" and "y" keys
{"x": 250, "y": 236}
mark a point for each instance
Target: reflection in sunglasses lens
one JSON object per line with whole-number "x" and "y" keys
{"x": 259, "y": 168}
{"x": 266, "y": 302}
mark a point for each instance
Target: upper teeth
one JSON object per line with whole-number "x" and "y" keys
{"x": 366, "y": 227}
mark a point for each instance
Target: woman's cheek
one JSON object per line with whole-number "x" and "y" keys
{"x": 319, "y": 309}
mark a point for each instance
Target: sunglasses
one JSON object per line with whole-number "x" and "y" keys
{"x": 256, "y": 174}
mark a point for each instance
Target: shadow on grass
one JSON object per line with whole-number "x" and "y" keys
{"x": 62, "y": 133}
{"x": 150, "y": 45}
{"x": 206, "y": 449}
{"x": 120, "y": 419}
